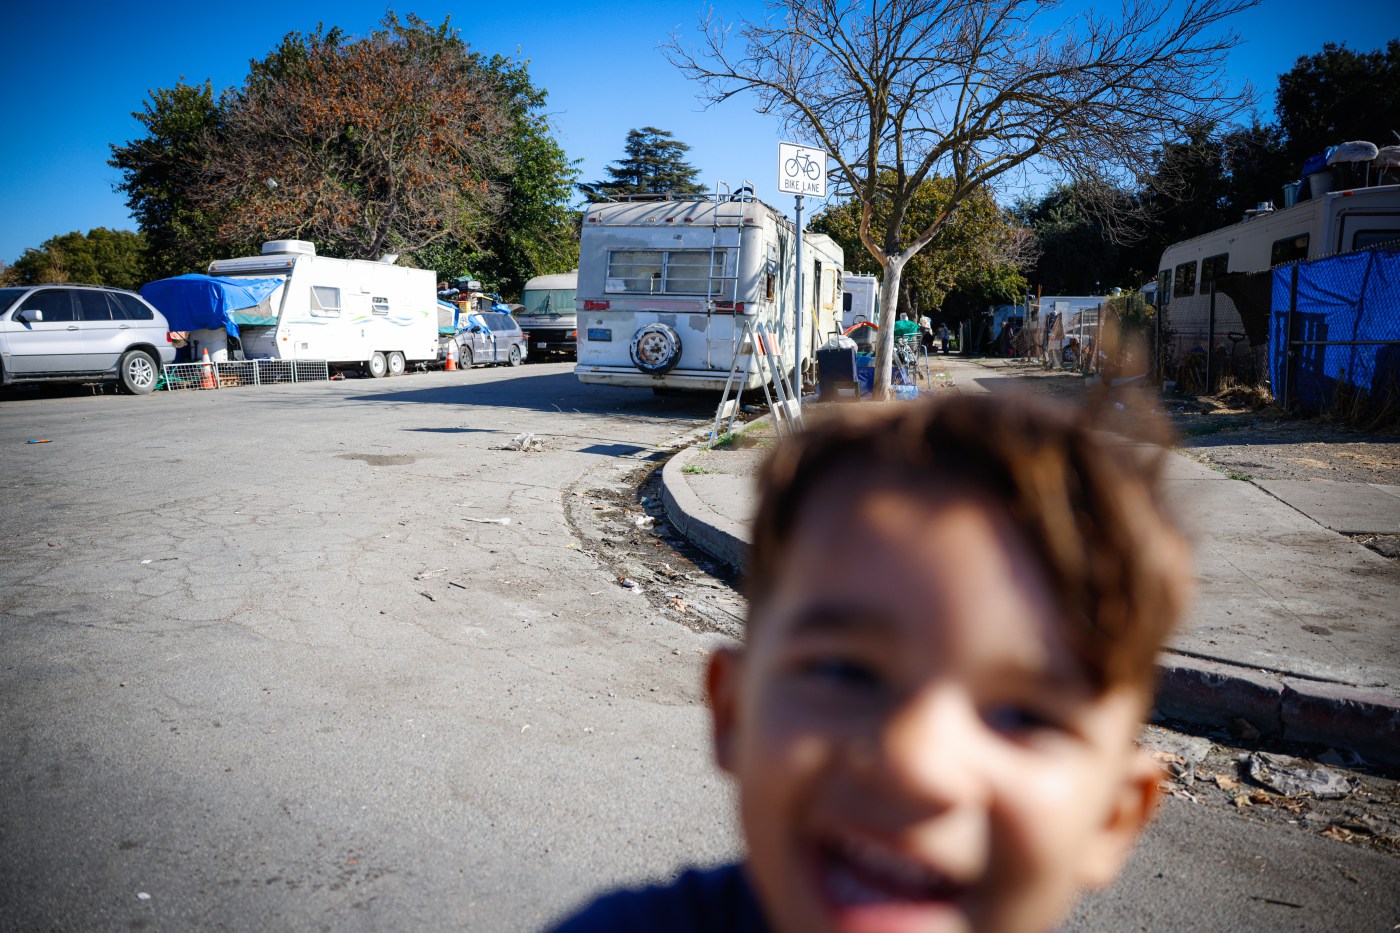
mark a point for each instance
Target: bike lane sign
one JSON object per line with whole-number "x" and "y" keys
{"x": 801, "y": 170}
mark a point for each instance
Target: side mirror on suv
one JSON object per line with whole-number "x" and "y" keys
{"x": 30, "y": 315}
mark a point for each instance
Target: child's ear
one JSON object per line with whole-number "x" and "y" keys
{"x": 722, "y": 690}
{"x": 1129, "y": 813}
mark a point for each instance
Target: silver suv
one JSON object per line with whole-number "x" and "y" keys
{"x": 81, "y": 333}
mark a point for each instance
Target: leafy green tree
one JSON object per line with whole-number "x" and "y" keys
{"x": 979, "y": 253}
{"x": 1338, "y": 95}
{"x": 537, "y": 232}
{"x": 99, "y": 257}
{"x": 160, "y": 173}
{"x": 654, "y": 164}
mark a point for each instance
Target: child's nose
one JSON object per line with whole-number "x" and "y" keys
{"x": 931, "y": 751}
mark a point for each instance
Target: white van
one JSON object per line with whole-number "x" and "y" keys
{"x": 349, "y": 312}
{"x": 665, "y": 285}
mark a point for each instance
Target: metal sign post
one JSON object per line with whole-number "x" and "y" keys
{"x": 801, "y": 171}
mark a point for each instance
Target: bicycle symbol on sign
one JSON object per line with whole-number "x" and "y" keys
{"x": 804, "y": 163}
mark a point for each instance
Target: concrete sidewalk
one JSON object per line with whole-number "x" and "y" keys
{"x": 1295, "y": 630}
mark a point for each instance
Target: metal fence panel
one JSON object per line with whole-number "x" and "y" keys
{"x": 225, "y": 374}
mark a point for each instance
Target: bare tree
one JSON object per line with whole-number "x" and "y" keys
{"x": 978, "y": 91}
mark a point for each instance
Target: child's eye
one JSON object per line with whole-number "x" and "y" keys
{"x": 1016, "y": 719}
{"x": 842, "y": 672}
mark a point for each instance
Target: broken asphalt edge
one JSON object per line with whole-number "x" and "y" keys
{"x": 1205, "y": 692}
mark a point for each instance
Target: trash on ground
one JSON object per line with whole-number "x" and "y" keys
{"x": 142, "y": 896}
{"x": 677, "y": 604}
{"x": 628, "y": 582}
{"x": 645, "y": 522}
{"x": 428, "y": 596}
{"x": 45, "y": 440}
{"x": 1293, "y": 778}
{"x": 524, "y": 441}
{"x": 488, "y": 521}
{"x": 430, "y": 573}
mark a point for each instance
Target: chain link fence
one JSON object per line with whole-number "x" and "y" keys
{"x": 186, "y": 377}
{"x": 1323, "y": 335}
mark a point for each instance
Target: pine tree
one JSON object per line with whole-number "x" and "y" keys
{"x": 654, "y": 164}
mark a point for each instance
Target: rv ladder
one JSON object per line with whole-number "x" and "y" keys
{"x": 762, "y": 347}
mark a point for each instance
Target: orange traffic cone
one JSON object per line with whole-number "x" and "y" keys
{"x": 451, "y": 357}
{"x": 206, "y": 373}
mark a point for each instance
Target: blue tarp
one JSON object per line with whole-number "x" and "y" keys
{"x": 199, "y": 302}
{"x": 1347, "y": 300}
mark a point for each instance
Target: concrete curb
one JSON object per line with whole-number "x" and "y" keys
{"x": 1197, "y": 690}
{"x": 720, "y": 537}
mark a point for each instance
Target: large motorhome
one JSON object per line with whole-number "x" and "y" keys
{"x": 1335, "y": 222}
{"x": 549, "y": 316}
{"x": 666, "y": 284}
{"x": 349, "y": 312}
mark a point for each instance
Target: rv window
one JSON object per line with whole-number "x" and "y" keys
{"x": 1164, "y": 286}
{"x": 380, "y": 305}
{"x": 1185, "y": 280}
{"x": 325, "y": 301}
{"x": 1211, "y": 268}
{"x": 771, "y": 280}
{"x": 1365, "y": 239}
{"x": 1288, "y": 250}
{"x": 666, "y": 272}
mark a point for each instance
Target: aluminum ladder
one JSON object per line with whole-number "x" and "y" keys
{"x": 761, "y": 347}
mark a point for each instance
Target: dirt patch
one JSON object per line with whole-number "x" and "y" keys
{"x": 623, "y": 524}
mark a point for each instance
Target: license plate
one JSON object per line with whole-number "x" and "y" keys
{"x": 600, "y": 334}
{"x": 541, "y": 344}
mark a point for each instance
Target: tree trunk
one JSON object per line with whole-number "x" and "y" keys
{"x": 884, "y": 338}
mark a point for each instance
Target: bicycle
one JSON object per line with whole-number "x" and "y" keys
{"x": 804, "y": 163}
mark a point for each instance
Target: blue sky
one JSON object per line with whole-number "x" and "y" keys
{"x": 74, "y": 72}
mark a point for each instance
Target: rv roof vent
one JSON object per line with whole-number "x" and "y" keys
{"x": 300, "y": 247}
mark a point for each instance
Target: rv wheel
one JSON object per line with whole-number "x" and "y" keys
{"x": 396, "y": 364}
{"x": 377, "y": 365}
{"x": 656, "y": 349}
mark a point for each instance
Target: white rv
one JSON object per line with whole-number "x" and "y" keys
{"x": 1336, "y": 222}
{"x": 548, "y": 315}
{"x": 349, "y": 312}
{"x": 665, "y": 286}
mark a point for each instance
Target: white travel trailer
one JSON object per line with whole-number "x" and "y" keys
{"x": 665, "y": 286}
{"x": 549, "y": 316}
{"x": 349, "y": 312}
{"x": 1336, "y": 222}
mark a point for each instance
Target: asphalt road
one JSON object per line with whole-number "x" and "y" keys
{"x": 264, "y": 667}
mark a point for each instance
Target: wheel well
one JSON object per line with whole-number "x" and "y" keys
{"x": 154, "y": 353}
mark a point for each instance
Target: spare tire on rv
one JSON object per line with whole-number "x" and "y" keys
{"x": 656, "y": 349}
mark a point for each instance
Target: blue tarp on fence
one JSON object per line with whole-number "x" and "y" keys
{"x": 198, "y": 302}
{"x": 1342, "y": 301}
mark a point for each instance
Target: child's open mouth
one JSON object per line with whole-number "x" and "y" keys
{"x": 870, "y": 887}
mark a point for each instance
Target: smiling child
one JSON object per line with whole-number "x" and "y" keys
{"x": 954, "y": 613}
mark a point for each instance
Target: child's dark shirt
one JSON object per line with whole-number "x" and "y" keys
{"x": 716, "y": 899}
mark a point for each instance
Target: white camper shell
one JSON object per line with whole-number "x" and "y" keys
{"x": 666, "y": 284}
{"x": 1337, "y": 222}
{"x": 860, "y": 300}
{"x": 349, "y": 312}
